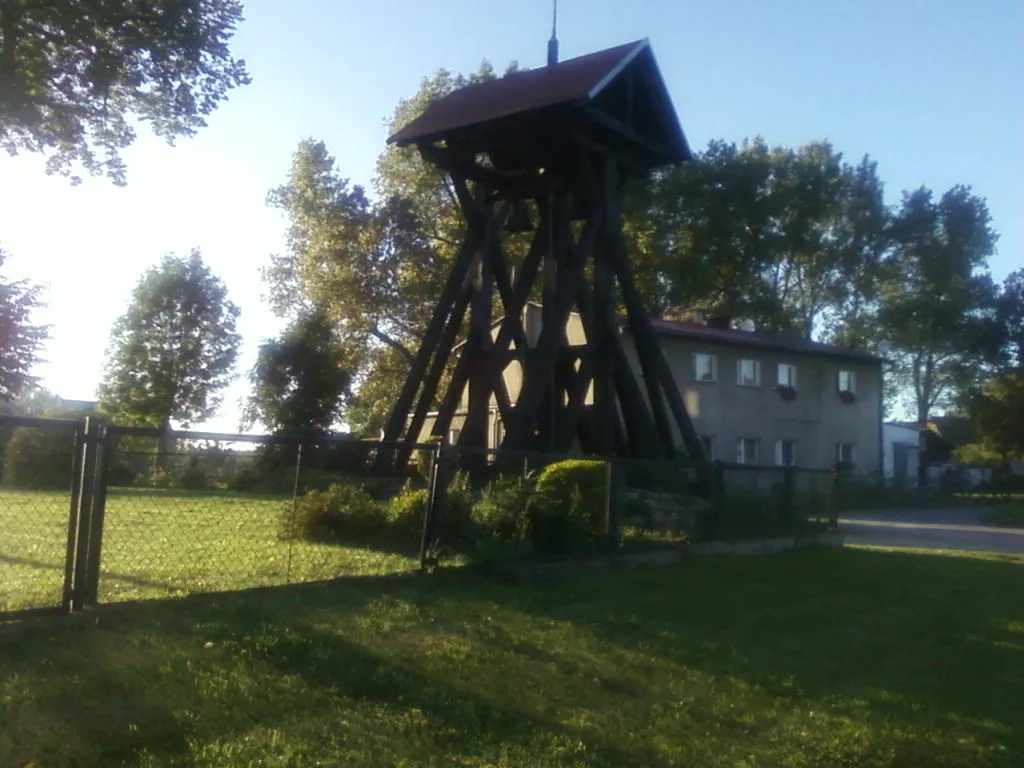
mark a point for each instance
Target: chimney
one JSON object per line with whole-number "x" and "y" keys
{"x": 719, "y": 321}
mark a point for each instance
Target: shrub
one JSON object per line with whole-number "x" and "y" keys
{"x": 341, "y": 513}
{"x": 193, "y": 479}
{"x": 567, "y": 511}
{"x": 158, "y": 477}
{"x": 39, "y": 459}
{"x": 501, "y": 509}
{"x": 405, "y": 514}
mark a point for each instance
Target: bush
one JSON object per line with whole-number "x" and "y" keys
{"x": 193, "y": 479}
{"x": 567, "y": 512}
{"x": 341, "y": 513}
{"x": 501, "y": 509}
{"x": 406, "y": 512}
{"x": 158, "y": 477}
{"x": 39, "y": 459}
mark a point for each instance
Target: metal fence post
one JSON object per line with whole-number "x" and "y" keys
{"x": 74, "y": 524}
{"x": 103, "y": 450}
{"x": 612, "y": 505}
{"x": 86, "y": 480}
{"x": 709, "y": 521}
{"x": 436, "y": 491}
{"x": 786, "y": 503}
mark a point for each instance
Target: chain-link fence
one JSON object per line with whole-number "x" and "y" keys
{"x": 37, "y": 478}
{"x": 215, "y": 512}
{"x": 94, "y": 513}
{"x": 499, "y": 504}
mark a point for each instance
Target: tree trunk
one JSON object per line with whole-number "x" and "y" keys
{"x": 165, "y": 445}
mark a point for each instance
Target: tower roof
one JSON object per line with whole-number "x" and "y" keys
{"x": 616, "y": 96}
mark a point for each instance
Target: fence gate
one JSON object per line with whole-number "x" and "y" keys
{"x": 48, "y": 546}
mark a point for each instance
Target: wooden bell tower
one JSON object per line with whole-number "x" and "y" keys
{"x": 561, "y": 140}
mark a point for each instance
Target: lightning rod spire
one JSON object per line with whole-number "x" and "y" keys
{"x": 553, "y": 42}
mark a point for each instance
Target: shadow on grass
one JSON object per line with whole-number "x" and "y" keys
{"x": 903, "y": 641}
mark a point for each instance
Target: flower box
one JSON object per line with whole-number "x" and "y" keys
{"x": 786, "y": 393}
{"x": 847, "y": 397}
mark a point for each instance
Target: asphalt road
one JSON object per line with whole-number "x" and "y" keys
{"x": 930, "y": 529}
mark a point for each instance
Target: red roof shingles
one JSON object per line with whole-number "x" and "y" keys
{"x": 563, "y": 83}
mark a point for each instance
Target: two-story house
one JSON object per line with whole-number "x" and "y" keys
{"x": 755, "y": 398}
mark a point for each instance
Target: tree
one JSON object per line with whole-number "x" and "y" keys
{"x": 793, "y": 238}
{"x": 73, "y": 76}
{"x": 175, "y": 347}
{"x": 20, "y": 340}
{"x": 376, "y": 267}
{"x": 938, "y": 304}
{"x": 300, "y": 380}
{"x": 997, "y": 411}
{"x": 1010, "y": 315}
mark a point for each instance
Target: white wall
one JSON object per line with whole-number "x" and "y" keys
{"x": 908, "y": 439}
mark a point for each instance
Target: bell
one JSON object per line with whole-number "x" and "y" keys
{"x": 519, "y": 218}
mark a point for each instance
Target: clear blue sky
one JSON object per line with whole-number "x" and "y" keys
{"x": 933, "y": 91}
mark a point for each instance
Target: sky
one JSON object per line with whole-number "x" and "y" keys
{"x": 932, "y": 91}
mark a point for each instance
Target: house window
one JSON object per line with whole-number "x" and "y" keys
{"x": 709, "y": 447}
{"x": 785, "y": 453}
{"x": 453, "y": 436}
{"x": 846, "y": 454}
{"x": 746, "y": 450}
{"x": 704, "y": 367}
{"x": 748, "y": 373}
{"x": 787, "y": 375}
{"x": 847, "y": 381}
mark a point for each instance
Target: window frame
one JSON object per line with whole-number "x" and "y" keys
{"x": 741, "y": 457}
{"x": 853, "y": 453}
{"x": 791, "y": 367}
{"x": 709, "y": 445}
{"x": 712, "y": 357}
{"x": 852, "y": 381}
{"x": 739, "y": 372}
{"x": 780, "y": 452}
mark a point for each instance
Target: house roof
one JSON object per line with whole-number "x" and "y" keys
{"x": 757, "y": 340}
{"x": 578, "y": 82}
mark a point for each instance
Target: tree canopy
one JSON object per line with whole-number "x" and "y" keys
{"x": 174, "y": 349}
{"x": 299, "y": 380}
{"x": 938, "y": 302}
{"x": 20, "y": 339}
{"x": 76, "y": 77}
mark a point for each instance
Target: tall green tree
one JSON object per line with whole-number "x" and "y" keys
{"x": 1010, "y": 315}
{"x": 20, "y": 339}
{"x": 174, "y": 349}
{"x": 938, "y": 302}
{"x": 75, "y": 75}
{"x": 375, "y": 266}
{"x": 793, "y": 238}
{"x": 299, "y": 380}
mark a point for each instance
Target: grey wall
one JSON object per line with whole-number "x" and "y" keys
{"x": 818, "y": 420}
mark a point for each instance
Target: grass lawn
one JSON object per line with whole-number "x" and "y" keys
{"x": 1010, "y": 516}
{"x": 814, "y": 658}
{"x": 165, "y": 543}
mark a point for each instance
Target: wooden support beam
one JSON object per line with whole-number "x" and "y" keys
{"x": 400, "y": 414}
{"x": 437, "y": 366}
{"x": 641, "y": 434}
{"x": 452, "y": 398}
{"x": 652, "y": 356}
{"x": 616, "y": 125}
{"x": 602, "y": 321}
{"x": 536, "y": 376}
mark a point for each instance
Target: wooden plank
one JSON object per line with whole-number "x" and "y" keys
{"x": 440, "y": 361}
{"x": 602, "y": 320}
{"x": 631, "y": 134}
{"x": 479, "y": 342}
{"x": 452, "y": 397}
{"x": 641, "y": 434}
{"x": 651, "y": 354}
{"x": 400, "y": 413}
{"x": 535, "y": 376}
